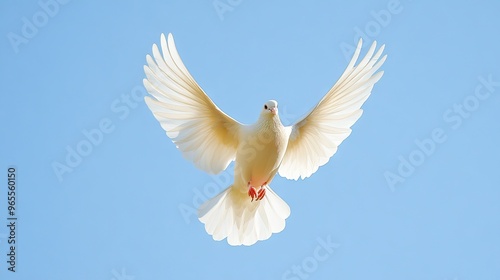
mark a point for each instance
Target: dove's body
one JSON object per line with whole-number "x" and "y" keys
{"x": 260, "y": 153}
{"x": 249, "y": 210}
{"x": 232, "y": 214}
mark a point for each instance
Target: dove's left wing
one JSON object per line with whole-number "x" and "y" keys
{"x": 315, "y": 138}
{"x": 204, "y": 134}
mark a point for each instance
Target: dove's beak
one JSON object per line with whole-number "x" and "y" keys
{"x": 274, "y": 111}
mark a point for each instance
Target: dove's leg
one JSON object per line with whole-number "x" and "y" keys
{"x": 262, "y": 192}
{"x": 254, "y": 194}
{"x": 251, "y": 191}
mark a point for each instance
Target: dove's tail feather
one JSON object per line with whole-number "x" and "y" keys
{"x": 232, "y": 214}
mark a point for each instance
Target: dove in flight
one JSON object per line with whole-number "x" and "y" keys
{"x": 249, "y": 210}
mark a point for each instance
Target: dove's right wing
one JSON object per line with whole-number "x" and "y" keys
{"x": 204, "y": 134}
{"x": 315, "y": 138}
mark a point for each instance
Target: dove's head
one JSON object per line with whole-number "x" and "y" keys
{"x": 270, "y": 108}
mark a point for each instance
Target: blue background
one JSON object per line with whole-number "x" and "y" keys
{"x": 122, "y": 211}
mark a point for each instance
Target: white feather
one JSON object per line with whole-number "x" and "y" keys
{"x": 233, "y": 215}
{"x": 204, "y": 134}
{"x": 315, "y": 138}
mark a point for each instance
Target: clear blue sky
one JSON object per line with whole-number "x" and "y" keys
{"x": 413, "y": 193}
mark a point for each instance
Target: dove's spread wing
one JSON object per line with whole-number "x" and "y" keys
{"x": 315, "y": 138}
{"x": 204, "y": 134}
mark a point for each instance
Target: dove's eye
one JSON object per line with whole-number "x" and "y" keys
{"x": 265, "y": 107}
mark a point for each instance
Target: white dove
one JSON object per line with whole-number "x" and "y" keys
{"x": 248, "y": 210}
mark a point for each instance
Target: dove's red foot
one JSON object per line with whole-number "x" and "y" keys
{"x": 261, "y": 193}
{"x": 252, "y": 192}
